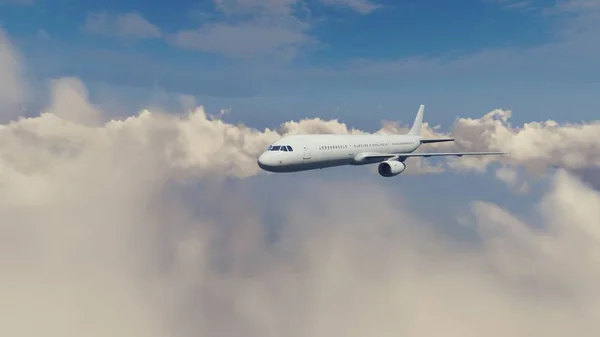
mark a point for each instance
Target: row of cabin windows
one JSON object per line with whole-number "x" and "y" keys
{"x": 285, "y": 148}
{"x": 333, "y": 147}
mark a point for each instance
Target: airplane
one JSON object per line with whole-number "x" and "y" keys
{"x": 318, "y": 151}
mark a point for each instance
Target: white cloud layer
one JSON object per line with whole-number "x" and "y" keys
{"x": 99, "y": 238}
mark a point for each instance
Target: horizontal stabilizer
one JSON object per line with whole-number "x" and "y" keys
{"x": 436, "y": 140}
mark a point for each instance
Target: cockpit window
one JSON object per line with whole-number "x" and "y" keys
{"x": 285, "y": 148}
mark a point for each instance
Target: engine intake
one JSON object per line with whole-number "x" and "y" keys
{"x": 391, "y": 168}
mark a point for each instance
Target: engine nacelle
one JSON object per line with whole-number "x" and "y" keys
{"x": 391, "y": 168}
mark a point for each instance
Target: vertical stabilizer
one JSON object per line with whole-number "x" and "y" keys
{"x": 415, "y": 130}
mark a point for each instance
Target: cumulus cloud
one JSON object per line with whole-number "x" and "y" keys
{"x": 100, "y": 238}
{"x": 70, "y": 102}
{"x": 119, "y": 228}
{"x": 536, "y": 145}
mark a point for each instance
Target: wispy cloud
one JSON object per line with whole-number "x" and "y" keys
{"x": 43, "y": 35}
{"x": 126, "y": 26}
{"x": 571, "y": 54}
{"x": 245, "y": 40}
{"x": 253, "y": 28}
{"x": 268, "y": 31}
{"x": 260, "y": 28}
{"x": 360, "y": 6}
{"x": 253, "y": 8}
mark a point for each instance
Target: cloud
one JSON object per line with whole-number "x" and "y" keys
{"x": 43, "y": 35}
{"x": 279, "y": 31}
{"x": 243, "y": 40}
{"x": 252, "y": 28}
{"x": 259, "y": 28}
{"x": 511, "y": 177}
{"x": 123, "y": 228}
{"x": 127, "y": 26}
{"x": 97, "y": 230}
{"x": 70, "y": 102}
{"x": 536, "y": 145}
{"x": 574, "y": 28}
{"x": 273, "y": 8}
{"x": 244, "y": 29}
{"x": 360, "y": 6}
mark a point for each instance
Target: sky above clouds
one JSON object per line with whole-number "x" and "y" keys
{"x": 132, "y": 205}
{"x": 269, "y": 61}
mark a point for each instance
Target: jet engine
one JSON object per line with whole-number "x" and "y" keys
{"x": 390, "y": 168}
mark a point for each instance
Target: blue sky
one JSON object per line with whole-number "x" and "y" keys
{"x": 360, "y": 61}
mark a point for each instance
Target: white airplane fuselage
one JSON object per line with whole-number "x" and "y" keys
{"x": 317, "y": 151}
{"x": 311, "y": 152}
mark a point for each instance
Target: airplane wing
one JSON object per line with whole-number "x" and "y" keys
{"x": 436, "y": 140}
{"x": 375, "y": 155}
{"x": 458, "y": 154}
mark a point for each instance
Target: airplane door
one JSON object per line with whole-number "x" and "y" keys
{"x": 306, "y": 153}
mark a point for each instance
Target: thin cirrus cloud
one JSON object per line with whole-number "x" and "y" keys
{"x": 127, "y": 26}
{"x": 266, "y": 27}
{"x": 243, "y": 40}
{"x": 256, "y": 28}
{"x": 118, "y": 227}
{"x": 259, "y": 28}
{"x": 360, "y": 6}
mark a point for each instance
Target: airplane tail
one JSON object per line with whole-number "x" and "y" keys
{"x": 415, "y": 130}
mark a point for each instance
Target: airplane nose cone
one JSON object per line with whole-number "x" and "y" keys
{"x": 269, "y": 162}
{"x": 263, "y": 162}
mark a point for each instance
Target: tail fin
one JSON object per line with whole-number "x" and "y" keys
{"x": 415, "y": 130}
